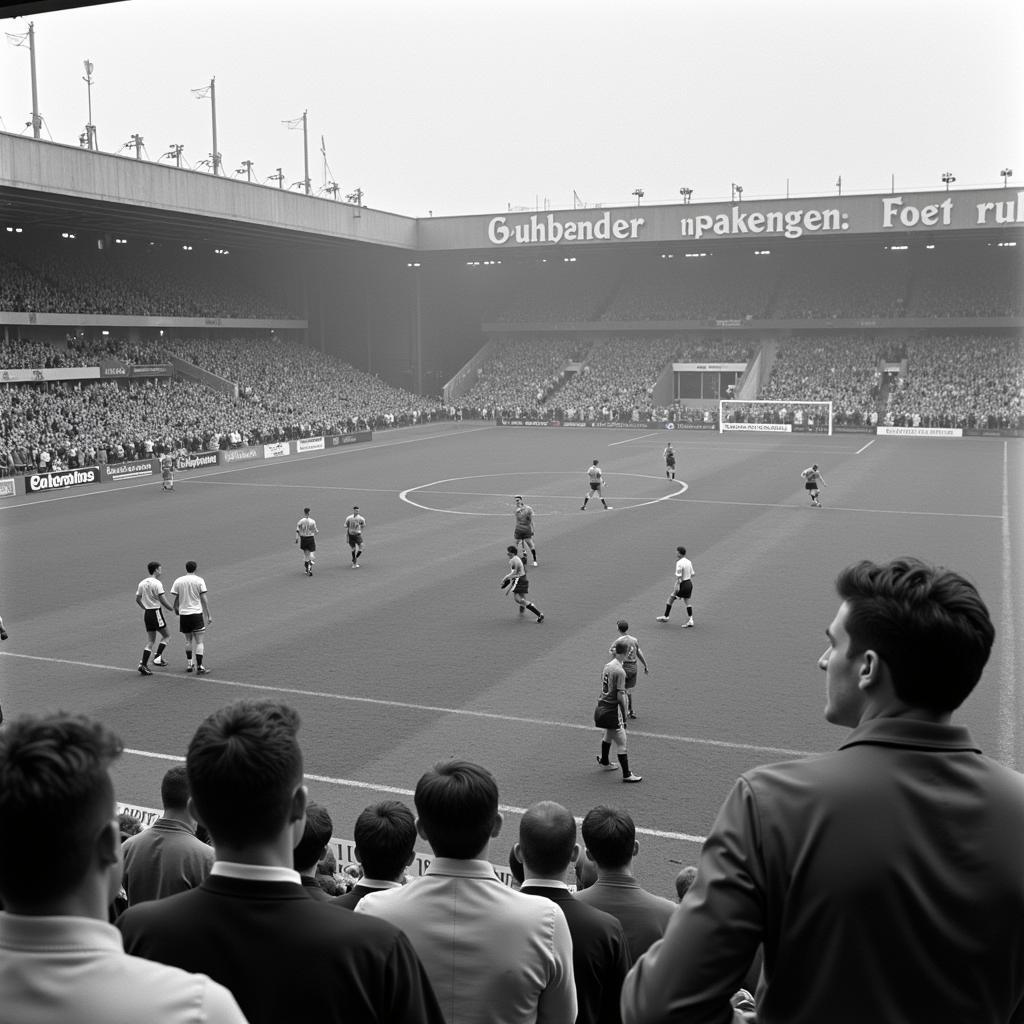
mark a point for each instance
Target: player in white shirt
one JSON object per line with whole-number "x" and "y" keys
{"x": 596, "y": 482}
{"x": 193, "y": 611}
{"x": 683, "y": 588}
{"x": 305, "y": 536}
{"x": 523, "y": 533}
{"x": 354, "y": 526}
{"x": 149, "y": 596}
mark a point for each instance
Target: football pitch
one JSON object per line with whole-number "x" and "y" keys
{"x": 418, "y": 656}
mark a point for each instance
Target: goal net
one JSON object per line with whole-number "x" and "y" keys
{"x": 774, "y": 416}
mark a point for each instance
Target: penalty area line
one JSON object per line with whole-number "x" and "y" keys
{"x": 379, "y": 787}
{"x": 865, "y": 448}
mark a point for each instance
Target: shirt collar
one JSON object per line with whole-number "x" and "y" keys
{"x": 255, "y": 872}
{"x": 21, "y": 931}
{"x": 462, "y": 868}
{"x": 544, "y": 883}
{"x": 377, "y": 883}
{"x": 912, "y": 732}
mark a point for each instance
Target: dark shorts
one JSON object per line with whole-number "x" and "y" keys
{"x": 595, "y": 487}
{"x": 194, "y": 623}
{"x": 523, "y": 533}
{"x": 811, "y": 485}
{"x": 307, "y": 543}
{"x": 522, "y": 586}
{"x": 685, "y": 589}
{"x": 608, "y": 716}
{"x": 154, "y": 619}
{"x": 355, "y": 540}
{"x": 671, "y": 462}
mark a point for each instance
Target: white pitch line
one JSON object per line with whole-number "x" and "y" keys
{"x": 367, "y": 446}
{"x": 407, "y": 706}
{"x": 640, "y": 437}
{"x": 865, "y": 448}
{"x": 833, "y": 508}
{"x": 378, "y": 787}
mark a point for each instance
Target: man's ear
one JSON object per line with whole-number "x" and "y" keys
{"x": 517, "y": 852}
{"x": 636, "y": 847}
{"x": 193, "y": 813}
{"x": 496, "y": 827}
{"x": 107, "y": 844}
{"x": 870, "y": 672}
{"x": 298, "y": 808}
{"x": 576, "y": 851}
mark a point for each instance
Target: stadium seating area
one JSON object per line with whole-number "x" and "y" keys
{"x": 960, "y": 381}
{"x": 843, "y": 370}
{"x": 152, "y": 283}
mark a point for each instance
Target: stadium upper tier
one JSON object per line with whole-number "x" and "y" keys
{"x": 826, "y": 283}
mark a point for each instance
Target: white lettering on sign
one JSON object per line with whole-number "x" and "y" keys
{"x": 897, "y": 214}
{"x": 548, "y": 229}
{"x": 791, "y": 223}
{"x": 1007, "y": 211}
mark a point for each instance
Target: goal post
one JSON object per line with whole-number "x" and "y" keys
{"x": 774, "y": 415}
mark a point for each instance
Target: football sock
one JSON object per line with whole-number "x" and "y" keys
{"x": 145, "y": 655}
{"x": 160, "y": 648}
{"x": 624, "y": 762}
{"x": 668, "y": 609}
{"x": 533, "y": 608}
{"x": 689, "y": 611}
{"x": 606, "y": 749}
{"x": 199, "y": 659}
{"x": 188, "y": 655}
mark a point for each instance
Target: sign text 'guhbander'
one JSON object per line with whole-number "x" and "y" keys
{"x": 548, "y": 229}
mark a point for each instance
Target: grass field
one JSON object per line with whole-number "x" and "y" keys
{"x": 418, "y": 656}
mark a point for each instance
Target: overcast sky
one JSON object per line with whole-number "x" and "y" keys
{"x": 458, "y": 107}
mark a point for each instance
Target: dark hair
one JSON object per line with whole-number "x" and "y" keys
{"x": 610, "y": 836}
{"x": 306, "y": 510}
{"x": 128, "y": 824}
{"x": 191, "y": 566}
{"x": 174, "y": 788}
{"x": 547, "y": 834}
{"x": 621, "y": 647}
{"x": 927, "y": 623}
{"x": 244, "y": 764}
{"x": 684, "y": 880}
{"x": 315, "y": 836}
{"x": 385, "y": 836}
{"x": 457, "y": 804}
{"x": 622, "y": 624}
{"x": 55, "y": 795}
{"x": 511, "y": 549}
{"x": 152, "y": 567}
{"x": 681, "y": 550}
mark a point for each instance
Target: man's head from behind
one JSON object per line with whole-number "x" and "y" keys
{"x": 57, "y": 814}
{"x": 610, "y": 837}
{"x": 174, "y": 790}
{"x": 457, "y": 809}
{"x": 547, "y": 840}
{"x": 316, "y": 834}
{"x": 385, "y": 838}
{"x": 244, "y": 770}
{"x": 927, "y": 624}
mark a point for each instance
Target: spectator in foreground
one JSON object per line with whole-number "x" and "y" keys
{"x": 600, "y": 954}
{"x": 60, "y": 867}
{"x": 385, "y": 840}
{"x": 166, "y": 857}
{"x": 609, "y": 836}
{"x": 495, "y": 956}
{"x": 884, "y": 879}
{"x": 251, "y": 923}
{"x": 316, "y": 834}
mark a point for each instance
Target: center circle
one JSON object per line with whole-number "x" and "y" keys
{"x": 681, "y": 486}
